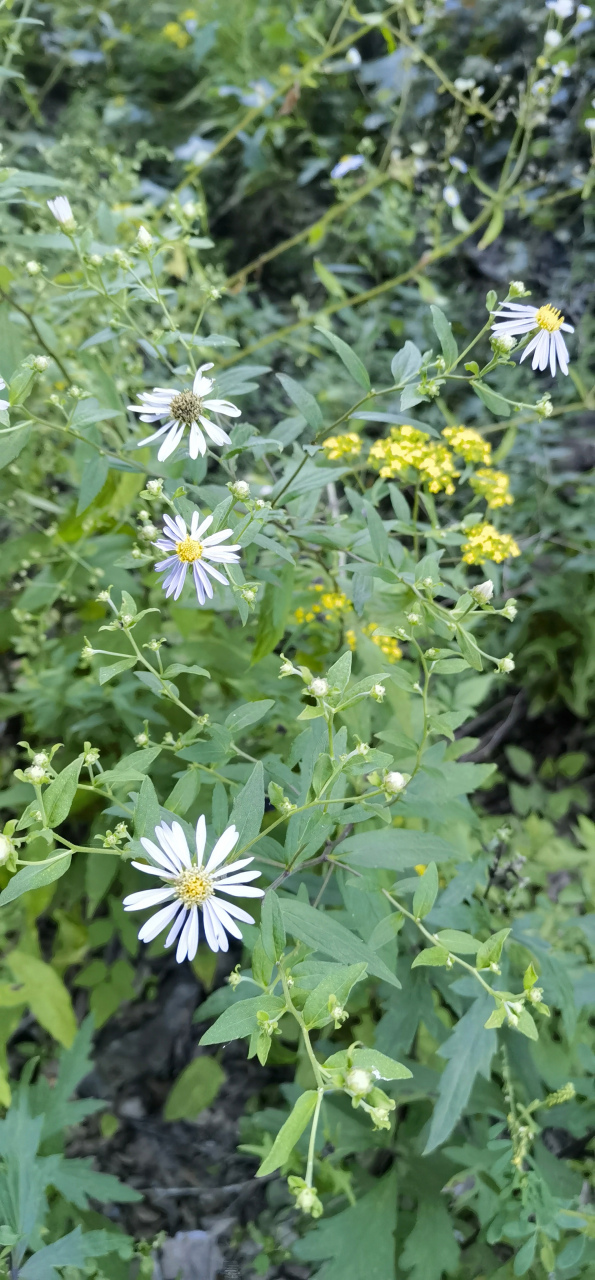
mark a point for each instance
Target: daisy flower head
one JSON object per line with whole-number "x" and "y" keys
{"x": 561, "y": 8}
{"x": 548, "y": 344}
{"x": 60, "y": 207}
{"x": 188, "y": 886}
{"x": 183, "y": 409}
{"x": 187, "y": 547}
{"x": 347, "y": 164}
{"x": 4, "y": 404}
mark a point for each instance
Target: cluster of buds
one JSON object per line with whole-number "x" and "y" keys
{"x": 113, "y": 839}
{"x": 249, "y": 593}
{"x": 235, "y": 977}
{"x": 306, "y": 1197}
{"x": 544, "y": 407}
{"x": 279, "y": 800}
{"x": 153, "y": 490}
{"x": 91, "y": 755}
{"x": 502, "y": 345}
{"x": 377, "y": 692}
{"x": 505, "y": 665}
{"x": 337, "y": 1012}
{"x": 239, "y": 489}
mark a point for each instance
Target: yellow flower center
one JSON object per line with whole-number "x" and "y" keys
{"x": 189, "y": 550}
{"x": 193, "y": 887}
{"x": 549, "y": 318}
{"x": 185, "y": 407}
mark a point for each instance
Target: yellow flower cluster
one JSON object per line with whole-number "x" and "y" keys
{"x": 347, "y": 446}
{"x": 387, "y": 644}
{"x": 330, "y": 602}
{"x": 468, "y": 444}
{"x": 485, "y": 542}
{"x": 492, "y": 485}
{"x": 408, "y": 447}
{"x": 175, "y": 33}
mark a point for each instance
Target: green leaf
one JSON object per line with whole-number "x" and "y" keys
{"x": 406, "y": 364}
{"x": 194, "y": 1090}
{"x": 469, "y": 649}
{"x": 329, "y": 280}
{"x": 490, "y": 951}
{"x": 185, "y": 792}
{"x": 45, "y": 994}
{"x": 289, "y": 1133}
{"x": 338, "y": 675}
{"x": 338, "y": 983}
{"x": 95, "y": 473}
{"x": 248, "y": 808}
{"x": 395, "y": 849}
{"x": 420, "y": 1256}
{"x": 430, "y": 956}
{"x": 179, "y": 668}
{"x": 307, "y": 405}
{"x": 73, "y": 1250}
{"x": 469, "y": 1049}
{"x": 272, "y": 928}
{"x": 463, "y": 944}
{"x": 443, "y": 329}
{"x": 240, "y": 1019}
{"x": 323, "y": 932}
{"x": 370, "y": 1060}
{"x": 273, "y": 614}
{"x": 351, "y": 361}
{"x": 12, "y": 443}
{"x": 526, "y": 1025}
{"x": 33, "y": 877}
{"x": 146, "y": 813}
{"x": 359, "y": 1242}
{"x": 58, "y": 798}
{"x": 495, "y": 403}
{"x": 89, "y": 411}
{"x": 108, "y": 673}
{"x": 426, "y": 893}
{"x": 249, "y": 714}
{"x": 525, "y": 1256}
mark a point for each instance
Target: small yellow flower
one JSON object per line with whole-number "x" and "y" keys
{"x": 173, "y": 32}
{"x": 347, "y": 446}
{"x": 387, "y": 644}
{"x": 405, "y": 448}
{"x": 188, "y": 15}
{"x": 351, "y": 639}
{"x": 486, "y": 543}
{"x": 468, "y": 444}
{"x": 335, "y": 601}
{"x": 420, "y": 868}
{"x": 492, "y": 485}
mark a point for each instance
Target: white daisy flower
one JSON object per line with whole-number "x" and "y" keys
{"x": 561, "y": 8}
{"x": 60, "y": 207}
{"x": 4, "y": 404}
{"x": 347, "y": 164}
{"x": 451, "y": 196}
{"x": 548, "y": 343}
{"x": 192, "y": 548}
{"x": 188, "y": 886}
{"x": 183, "y": 409}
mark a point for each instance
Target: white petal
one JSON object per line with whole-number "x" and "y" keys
{"x": 171, "y": 442}
{"x": 215, "y": 433}
{"x": 222, "y": 848}
{"x": 225, "y": 407}
{"x": 209, "y": 927}
{"x": 201, "y": 836}
{"x": 157, "y": 923}
{"x": 562, "y": 352}
{"x": 163, "y": 857}
{"x": 241, "y": 877}
{"x": 222, "y": 915}
{"x": 240, "y": 890}
{"x": 542, "y": 351}
{"x": 199, "y": 584}
{"x": 214, "y": 573}
{"x": 153, "y": 871}
{"x": 222, "y": 555}
{"x": 214, "y": 538}
{"x": 182, "y": 947}
{"x": 517, "y": 306}
{"x": 231, "y": 866}
{"x": 175, "y": 929}
{"x": 156, "y": 434}
{"x": 193, "y": 933}
{"x": 147, "y": 898}
{"x": 202, "y": 528}
{"x": 177, "y": 838}
{"x": 163, "y": 835}
{"x": 530, "y": 346}
{"x": 197, "y": 443}
{"x": 237, "y": 912}
{"x": 176, "y": 527}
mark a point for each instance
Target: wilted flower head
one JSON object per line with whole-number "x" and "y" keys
{"x": 183, "y": 409}
{"x": 190, "y": 886}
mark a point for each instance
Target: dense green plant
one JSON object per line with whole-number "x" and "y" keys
{"x": 304, "y": 703}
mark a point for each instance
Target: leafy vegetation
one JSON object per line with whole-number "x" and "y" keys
{"x": 328, "y": 606}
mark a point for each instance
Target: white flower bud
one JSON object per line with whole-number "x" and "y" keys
{"x": 91, "y": 756}
{"x": 6, "y": 848}
{"x": 517, "y": 289}
{"x": 60, "y": 207}
{"x": 307, "y": 1200}
{"x": 318, "y": 688}
{"x": 510, "y": 610}
{"x": 483, "y": 593}
{"x": 552, "y": 39}
{"x": 358, "y": 1081}
{"x": 155, "y": 488}
{"x": 505, "y": 665}
{"x": 590, "y": 124}
{"x": 142, "y": 739}
{"x": 36, "y": 773}
{"x": 33, "y": 268}
{"x": 41, "y": 758}
{"x": 394, "y": 783}
{"x": 41, "y": 363}
{"x": 353, "y": 57}
{"x": 144, "y": 238}
{"x": 240, "y": 489}
{"x": 377, "y": 692}
{"x": 583, "y": 13}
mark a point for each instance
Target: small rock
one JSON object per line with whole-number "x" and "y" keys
{"x": 132, "y": 1109}
{"x": 190, "y": 1255}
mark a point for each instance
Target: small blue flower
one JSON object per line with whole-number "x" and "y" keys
{"x": 347, "y": 164}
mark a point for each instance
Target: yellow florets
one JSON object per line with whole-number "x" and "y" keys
{"x": 407, "y": 447}
{"x": 351, "y": 639}
{"x": 468, "y": 444}
{"x": 173, "y": 32}
{"x": 330, "y": 602}
{"x": 492, "y": 485}
{"x": 387, "y": 644}
{"x": 347, "y": 446}
{"x": 486, "y": 543}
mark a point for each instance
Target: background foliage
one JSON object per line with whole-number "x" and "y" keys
{"x": 218, "y": 135}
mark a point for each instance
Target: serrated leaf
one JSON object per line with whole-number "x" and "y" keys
{"x": 289, "y": 1133}
{"x": 359, "y": 1242}
{"x": 45, "y": 994}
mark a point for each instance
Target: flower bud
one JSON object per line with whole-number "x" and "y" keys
{"x": 6, "y": 849}
{"x": 33, "y": 268}
{"x": 483, "y": 592}
{"x": 395, "y": 782}
{"x": 510, "y": 610}
{"x": 249, "y": 594}
{"x": 516, "y": 289}
{"x": 319, "y": 687}
{"x": 240, "y": 489}
{"x": 502, "y": 344}
{"x": 377, "y": 692}
{"x": 358, "y": 1081}
{"x": 451, "y": 196}
{"x": 144, "y": 238}
{"x": 36, "y": 774}
{"x": 142, "y": 739}
{"x": 92, "y": 756}
{"x": 40, "y": 363}
{"x": 155, "y": 488}
{"x": 505, "y": 665}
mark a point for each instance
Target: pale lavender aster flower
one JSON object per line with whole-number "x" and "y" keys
{"x": 347, "y": 164}
{"x": 192, "y": 548}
